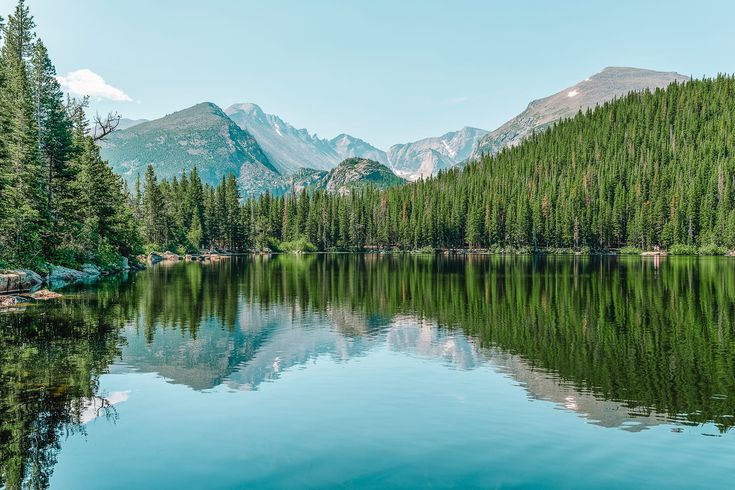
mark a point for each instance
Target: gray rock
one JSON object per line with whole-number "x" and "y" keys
{"x": 18, "y": 280}
{"x": 91, "y": 269}
{"x": 8, "y": 301}
{"x": 33, "y": 278}
{"x": 62, "y": 276}
{"x": 170, "y": 256}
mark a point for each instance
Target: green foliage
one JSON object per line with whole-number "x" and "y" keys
{"x": 681, "y": 249}
{"x": 630, "y": 250}
{"x": 186, "y": 214}
{"x": 712, "y": 249}
{"x": 151, "y": 247}
{"x": 652, "y": 168}
{"x": 60, "y": 200}
{"x": 107, "y": 256}
{"x": 300, "y": 244}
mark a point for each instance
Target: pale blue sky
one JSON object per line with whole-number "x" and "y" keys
{"x": 385, "y": 71}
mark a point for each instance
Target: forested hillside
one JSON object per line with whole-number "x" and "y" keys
{"x": 651, "y": 168}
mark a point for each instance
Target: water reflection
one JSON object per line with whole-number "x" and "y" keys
{"x": 626, "y": 343}
{"x": 50, "y": 363}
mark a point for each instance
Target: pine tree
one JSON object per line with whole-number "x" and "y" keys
{"x": 22, "y": 194}
{"x": 152, "y": 210}
{"x": 54, "y": 140}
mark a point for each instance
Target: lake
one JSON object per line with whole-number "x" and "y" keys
{"x": 368, "y": 371}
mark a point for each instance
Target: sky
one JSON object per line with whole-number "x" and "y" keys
{"x": 385, "y": 71}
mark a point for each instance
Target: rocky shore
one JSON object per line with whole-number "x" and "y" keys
{"x": 154, "y": 258}
{"x": 20, "y": 286}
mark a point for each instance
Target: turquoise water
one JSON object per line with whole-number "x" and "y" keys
{"x": 378, "y": 372}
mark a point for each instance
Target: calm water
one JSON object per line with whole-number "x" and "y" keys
{"x": 377, "y": 372}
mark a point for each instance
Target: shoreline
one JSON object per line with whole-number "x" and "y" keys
{"x": 488, "y": 252}
{"x": 17, "y": 281}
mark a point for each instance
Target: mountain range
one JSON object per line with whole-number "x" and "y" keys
{"x": 426, "y": 157}
{"x": 290, "y": 148}
{"x": 267, "y": 153}
{"x": 201, "y": 136}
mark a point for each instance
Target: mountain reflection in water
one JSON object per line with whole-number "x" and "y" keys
{"x": 623, "y": 342}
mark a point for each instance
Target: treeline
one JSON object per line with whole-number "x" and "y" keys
{"x": 187, "y": 215}
{"x": 652, "y": 168}
{"x": 59, "y": 201}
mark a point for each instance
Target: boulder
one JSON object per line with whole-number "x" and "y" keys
{"x": 91, "y": 270}
{"x": 8, "y": 301}
{"x": 18, "y": 280}
{"x": 170, "y": 256}
{"x": 124, "y": 264}
{"x": 154, "y": 258}
{"x": 61, "y": 276}
{"x": 44, "y": 294}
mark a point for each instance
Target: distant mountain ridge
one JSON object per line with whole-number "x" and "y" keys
{"x": 201, "y": 136}
{"x": 290, "y": 149}
{"x": 267, "y": 153}
{"x": 426, "y": 157}
{"x": 359, "y": 172}
{"x": 610, "y": 83}
{"x": 126, "y": 123}
{"x": 348, "y": 146}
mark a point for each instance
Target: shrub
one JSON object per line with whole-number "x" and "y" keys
{"x": 66, "y": 257}
{"x": 630, "y": 250}
{"x": 150, "y": 247}
{"x": 301, "y": 244}
{"x": 681, "y": 249}
{"x": 107, "y": 256}
{"x": 712, "y": 250}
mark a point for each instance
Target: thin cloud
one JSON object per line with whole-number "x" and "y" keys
{"x": 86, "y": 82}
{"x": 456, "y": 100}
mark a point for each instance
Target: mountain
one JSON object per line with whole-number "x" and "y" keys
{"x": 353, "y": 173}
{"x": 610, "y": 83}
{"x": 650, "y": 170}
{"x": 426, "y": 157}
{"x": 201, "y": 136}
{"x": 129, "y": 123}
{"x": 306, "y": 178}
{"x": 287, "y": 147}
{"x": 350, "y": 174}
{"x": 348, "y": 146}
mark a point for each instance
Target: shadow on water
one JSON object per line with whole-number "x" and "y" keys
{"x": 625, "y": 342}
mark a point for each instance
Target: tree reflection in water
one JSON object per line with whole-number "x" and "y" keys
{"x": 591, "y": 334}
